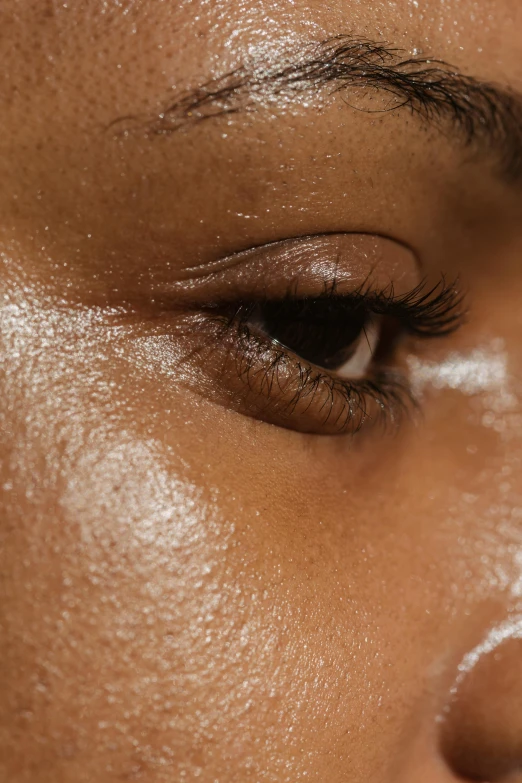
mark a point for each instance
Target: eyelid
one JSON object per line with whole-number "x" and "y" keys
{"x": 302, "y": 264}
{"x": 353, "y": 248}
{"x": 208, "y": 351}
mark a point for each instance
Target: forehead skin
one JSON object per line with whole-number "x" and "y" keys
{"x": 188, "y": 594}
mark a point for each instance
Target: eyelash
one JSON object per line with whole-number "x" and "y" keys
{"x": 267, "y": 370}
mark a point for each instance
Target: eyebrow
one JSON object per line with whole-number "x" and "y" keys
{"x": 482, "y": 114}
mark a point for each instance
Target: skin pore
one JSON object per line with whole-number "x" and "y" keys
{"x": 202, "y": 577}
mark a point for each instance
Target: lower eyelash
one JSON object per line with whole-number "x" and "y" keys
{"x": 385, "y": 400}
{"x": 340, "y": 406}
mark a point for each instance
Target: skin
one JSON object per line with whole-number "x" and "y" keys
{"x": 188, "y": 592}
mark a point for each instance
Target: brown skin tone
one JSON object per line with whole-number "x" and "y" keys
{"x": 190, "y": 592}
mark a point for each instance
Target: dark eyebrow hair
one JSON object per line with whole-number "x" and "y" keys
{"x": 483, "y": 114}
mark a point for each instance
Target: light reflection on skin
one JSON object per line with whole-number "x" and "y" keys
{"x": 510, "y": 629}
{"x": 481, "y": 371}
{"x": 478, "y": 371}
{"x": 156, "y": 501}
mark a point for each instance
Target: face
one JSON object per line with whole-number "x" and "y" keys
{"x": 261, "y": 430}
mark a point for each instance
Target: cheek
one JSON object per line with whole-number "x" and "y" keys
{"x": 160, "y": 628}
{"x": 124, "y": 629}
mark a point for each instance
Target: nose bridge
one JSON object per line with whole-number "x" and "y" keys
{"x": 464, "y": 720}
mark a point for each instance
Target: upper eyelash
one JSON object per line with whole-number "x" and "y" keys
{"x": 424, "y": 311}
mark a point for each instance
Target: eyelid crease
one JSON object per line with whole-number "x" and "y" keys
{"x": 298, "y": 243}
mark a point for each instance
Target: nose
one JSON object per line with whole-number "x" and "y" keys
{"x": 481, "y": 728}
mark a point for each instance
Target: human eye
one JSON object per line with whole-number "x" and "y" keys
{"x": 328, "y": 364}
{"x": 319, "y": 342}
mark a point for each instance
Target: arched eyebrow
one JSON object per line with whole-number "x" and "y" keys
{"x": 478, "y": 113}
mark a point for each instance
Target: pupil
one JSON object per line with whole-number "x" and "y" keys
{"x": 318, "y": 330}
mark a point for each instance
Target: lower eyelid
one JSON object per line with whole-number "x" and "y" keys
{"x": 257, "y": 378}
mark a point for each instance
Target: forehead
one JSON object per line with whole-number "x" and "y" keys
{"x": 170, "y": 42}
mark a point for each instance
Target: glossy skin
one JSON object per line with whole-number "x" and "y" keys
{"x": 190, "y": 593}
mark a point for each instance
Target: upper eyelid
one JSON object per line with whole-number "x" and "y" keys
{"x": 349, "y": 256}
